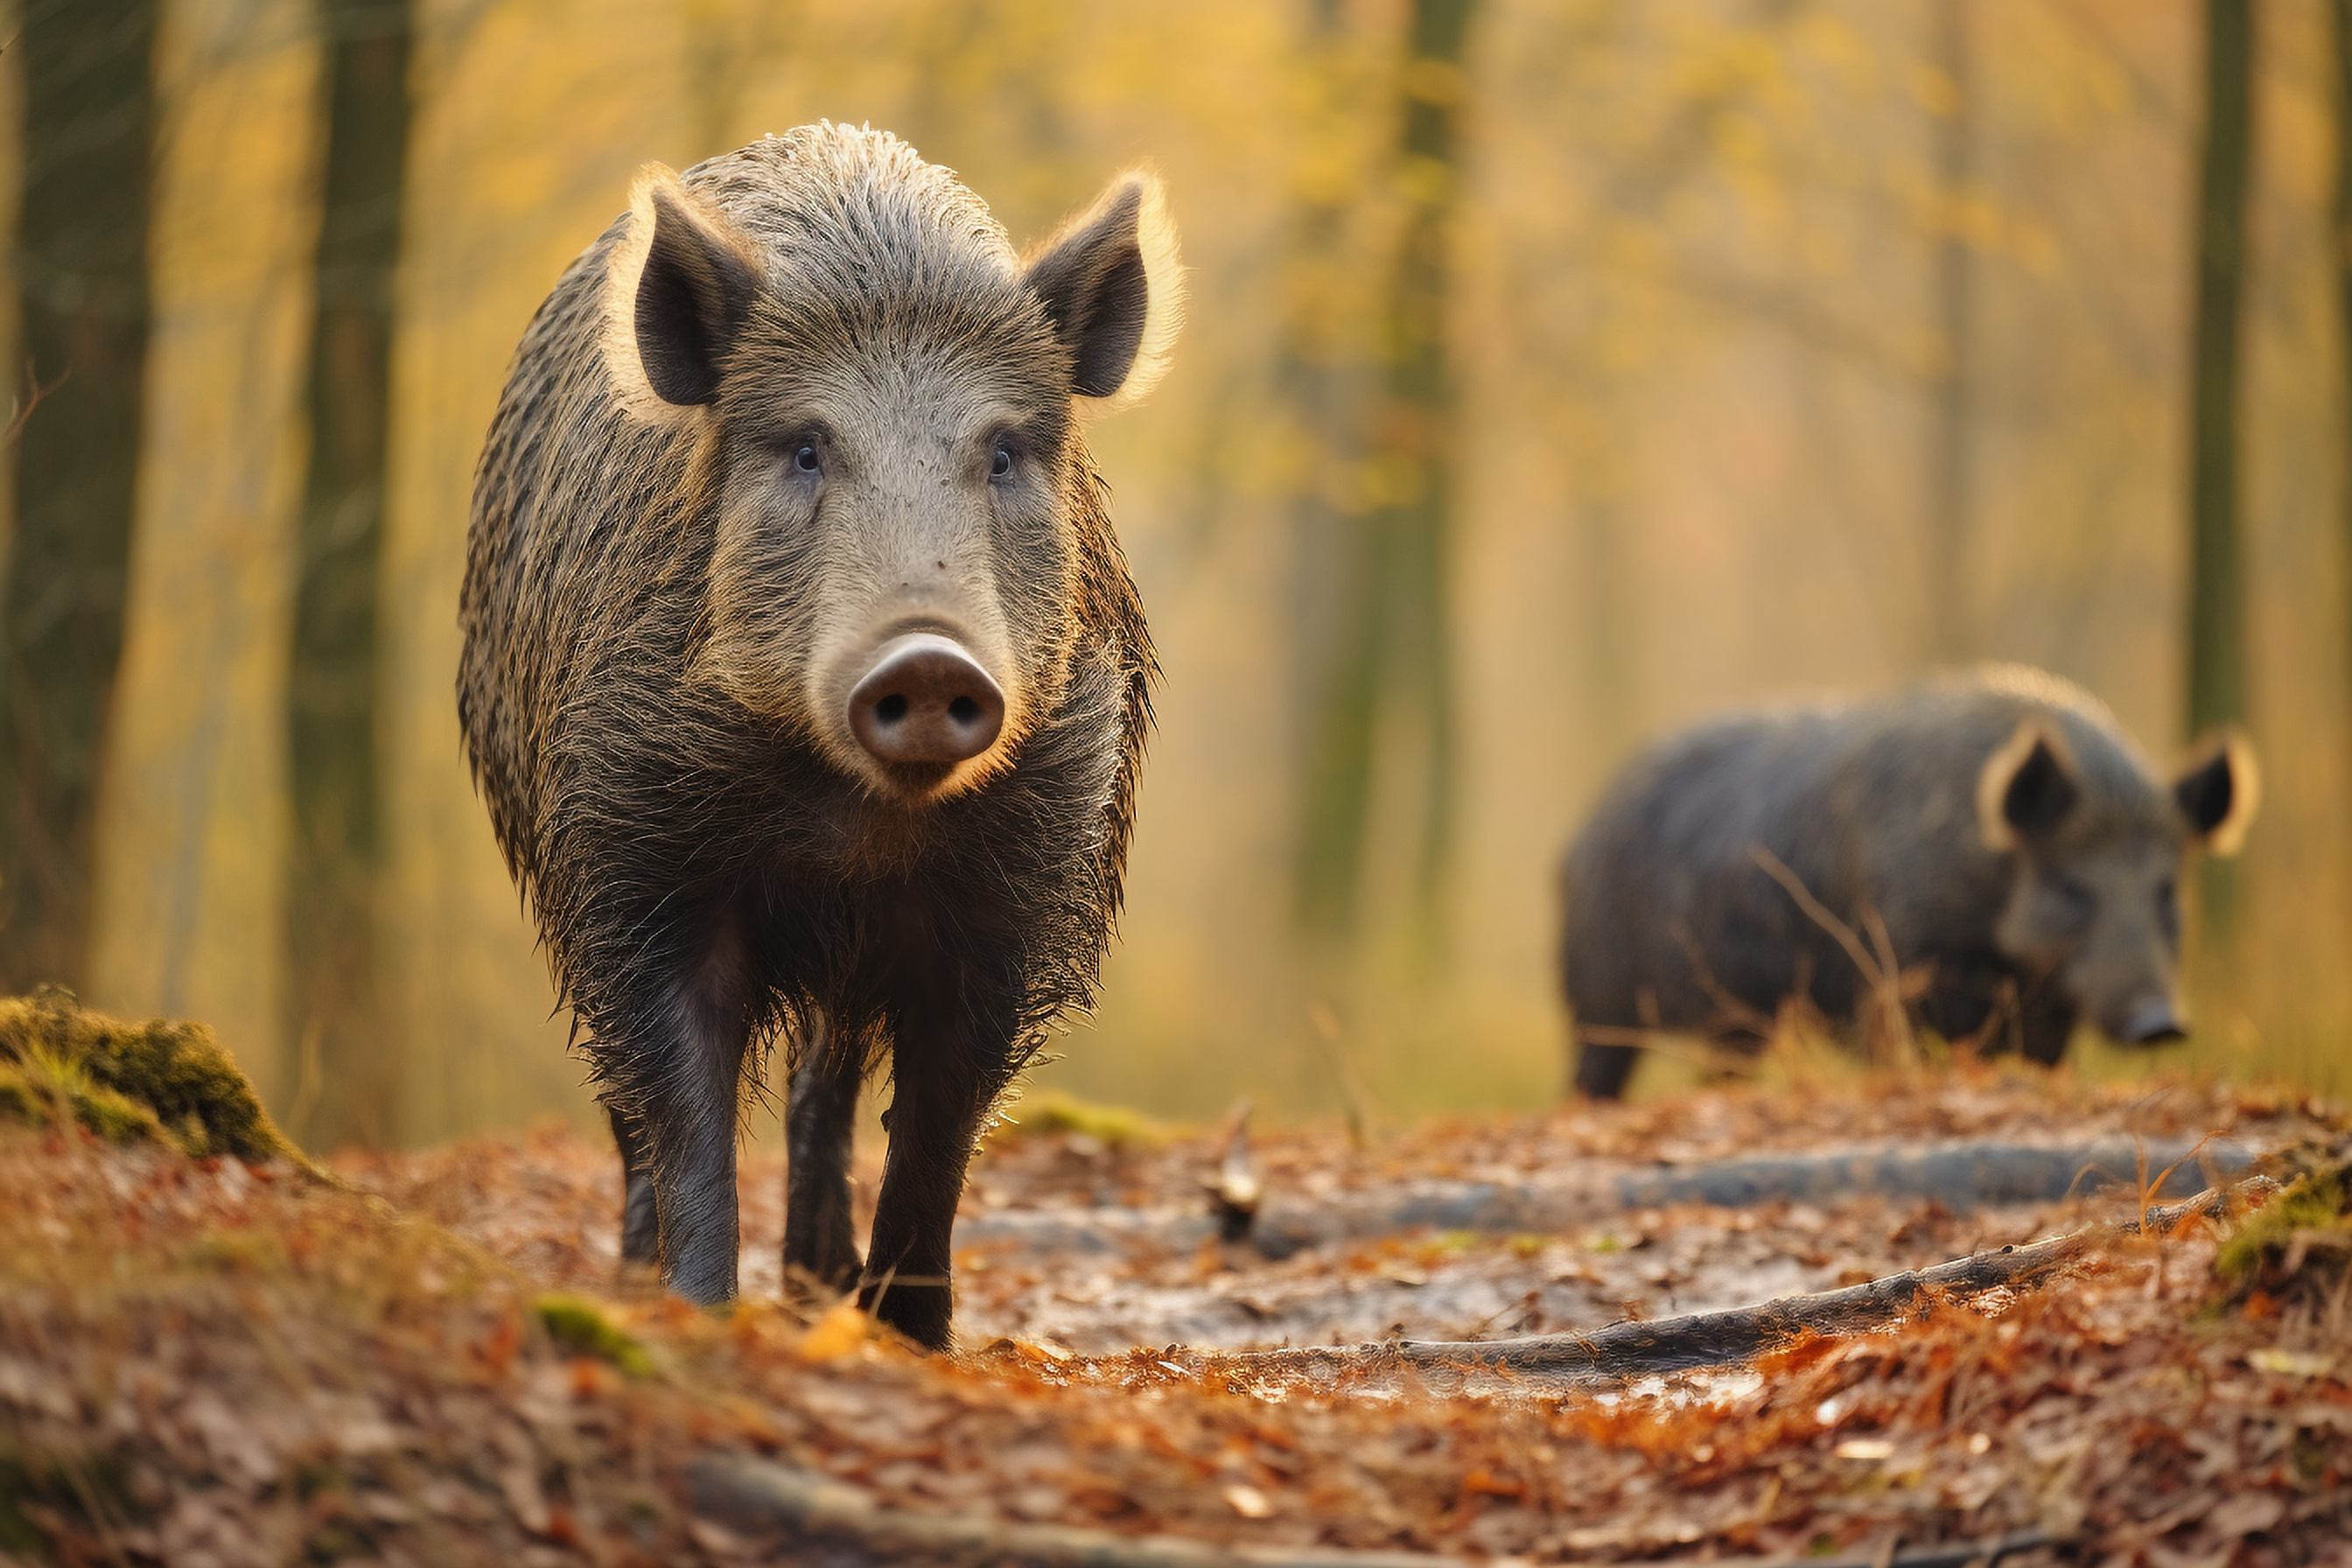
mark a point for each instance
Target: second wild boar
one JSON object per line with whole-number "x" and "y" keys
{"x": 1996, "y": 830}
{"x": 804, "y": 676}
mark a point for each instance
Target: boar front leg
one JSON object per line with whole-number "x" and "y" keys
{"x": 2046, "y": 1020}
{"x": 820, "y": 1117}
{"x": 1601, "y": 1069}
{"x": 674, "y": 1071}
{"x": 948, "y": 1064}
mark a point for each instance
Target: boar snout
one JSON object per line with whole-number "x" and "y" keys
{"x": 925, "y": 703}
{"x": 2151, "y": 1021}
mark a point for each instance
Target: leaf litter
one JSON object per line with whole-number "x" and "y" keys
{"x": 437, "y": 1357}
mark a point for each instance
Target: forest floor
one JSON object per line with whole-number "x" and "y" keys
{"x": 436, "y": 1357}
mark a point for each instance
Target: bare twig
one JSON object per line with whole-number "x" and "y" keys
{"x": 34, "y": 395}
{"x": 781, "y": 1506}
{"x": 1880, "y": 971}
{"x": 1734, "y": 1012}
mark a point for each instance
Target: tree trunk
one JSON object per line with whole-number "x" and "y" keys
{"x": 2340, "y": 13}
{"x": 2217, "y": 668}
{"x": 2217, "y": 651}
{"x": 1392, "y": 650}
{"x": 1950, "y": 475}
{"x": 1319, "y": 380}
{"x": 346, "y": 1074}
{"x": 81, "y": 268}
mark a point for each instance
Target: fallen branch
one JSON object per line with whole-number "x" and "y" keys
{"x": 1960, "y": 1176}
{"x": 778, "y": 1506}
{"x": 1722, "y": 1339}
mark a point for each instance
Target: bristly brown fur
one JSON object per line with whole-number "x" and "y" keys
{"x": 676, "y": 823}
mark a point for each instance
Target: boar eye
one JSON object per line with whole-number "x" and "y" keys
{"x": 1001, "y": 463}
{"x": 806, "y": 460}
{"x": 2072, "y": 905}
{"x": 2167, "y": 911}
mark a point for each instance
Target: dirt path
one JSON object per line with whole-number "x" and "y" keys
{"x": 201, "y": 1363}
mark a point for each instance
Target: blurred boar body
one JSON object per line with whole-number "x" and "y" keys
{"x": 804, "y": 676}
{"x": 2024, "y": 860}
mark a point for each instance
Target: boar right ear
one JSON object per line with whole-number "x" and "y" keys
{"x": 2218, "y": 794}
{"x": 2026, "y": 789}
{"x": 1114, "y": 289}
{"x": 680, "y": 290}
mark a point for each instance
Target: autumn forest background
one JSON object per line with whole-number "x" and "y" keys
{"x": 1558, "y": 370}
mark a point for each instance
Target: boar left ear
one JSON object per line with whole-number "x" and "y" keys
{"x": 2219, "y": 793}
{"x": 2026, "y": 788}
{"x": 680, "y": 288}
{"x": 1114, "y": 289}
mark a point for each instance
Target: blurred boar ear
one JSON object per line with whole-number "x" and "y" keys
{"x": 2026, "y": 789}
{"x": 680, "y": 289}
{"x": 1114, "y": 289}
{"x": 2219, "y": 793}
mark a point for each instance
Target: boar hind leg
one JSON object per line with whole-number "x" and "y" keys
{"x": 640, "y": 1223}
{"x": 947, "y": 1067}
{"x": 820, "y": 1121}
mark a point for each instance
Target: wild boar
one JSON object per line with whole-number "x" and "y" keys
{"x": 1998, "y": 828}
{"x": 804, "y": 676}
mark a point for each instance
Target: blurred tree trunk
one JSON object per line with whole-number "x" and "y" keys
{"x": 2217, "y": 651}
{"x": 2217, "y": 673}
{"x": 1950, "y": 474}
{"x": 81, "y": 269}
{"x": 1392, "y": 652}
{"x": 346, "y": 1071}
{"x": 2340, "y": 13}
{"x": 1318, "y": 381}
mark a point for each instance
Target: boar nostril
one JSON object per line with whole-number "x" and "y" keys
{"x": 925, "y": 702}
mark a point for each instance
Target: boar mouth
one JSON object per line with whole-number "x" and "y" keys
{"x": 924, "y": 708}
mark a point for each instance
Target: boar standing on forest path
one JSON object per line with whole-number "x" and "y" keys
{"x": 2000, "y": 825}
{"x": 804, "y": 676}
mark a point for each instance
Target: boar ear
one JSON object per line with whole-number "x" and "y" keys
{"x": 1114, "y": 289}
{"x": 680, "y": 289}
{"x": 2219, "y": 793}
{"x": 2026, "y": 789}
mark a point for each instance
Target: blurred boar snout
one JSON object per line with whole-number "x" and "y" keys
{"x": 926, "y": 704}
{"x": 2153, "y": 1021}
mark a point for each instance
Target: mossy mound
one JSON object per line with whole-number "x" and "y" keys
{"x": 164, "y": 1081}
{"x": 581, "y": 1326}
{"x": 2296, "y": 1249}
{"x": 1114, "y": 1126}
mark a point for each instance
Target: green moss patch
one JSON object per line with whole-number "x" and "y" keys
{"x": 161, "y": 1081}
{"x": 580, "y": 1326}
{"x": 2298, "y": 1247}
{"x": 1113, "y": 1126}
